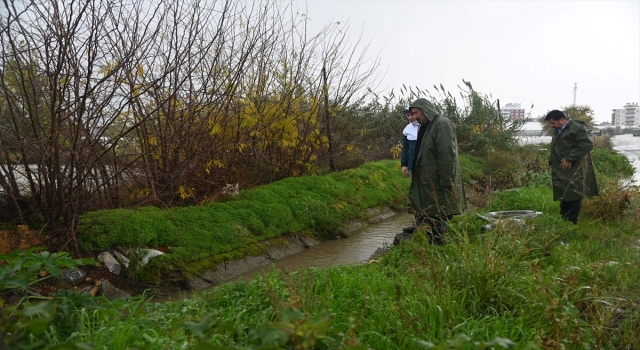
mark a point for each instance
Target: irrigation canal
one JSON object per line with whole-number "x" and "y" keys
{"x": 355, "y": 249}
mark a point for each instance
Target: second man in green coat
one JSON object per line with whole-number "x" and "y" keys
{"x": 572, "y": 173}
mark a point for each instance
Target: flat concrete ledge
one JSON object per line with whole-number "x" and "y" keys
{"x": 229, "y": 269}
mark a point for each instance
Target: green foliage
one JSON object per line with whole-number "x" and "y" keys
{"x": 294, "y": 330}
{"x": 525, "y": 198}
{"x": 615, "y": 203}
{"x": 582, "y": 113}
{"x": 128, "y": 228}
{"x": 23, "y": 324}
{"x": 548, "y": 285}
{"x": 482, "y": 130}
{"x": 372, "y": 130}
{"x": 24, "y": 268}
{"x": 473, "y": 167}
{"x": 505, "y": 170}
{"x": 611, "y": 163}
{"x": 551, "y": 284}
{"x": 23, "y": 328}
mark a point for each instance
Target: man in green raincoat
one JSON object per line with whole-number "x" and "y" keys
{"x": 572, "y": 174}
{"x": 436, "y": 192}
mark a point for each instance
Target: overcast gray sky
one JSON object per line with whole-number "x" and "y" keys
{"x": 528, "y": 52}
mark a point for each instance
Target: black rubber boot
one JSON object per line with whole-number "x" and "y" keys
{"x": 410, "y": 229}
{"x": 438, "y": 231}
{"x": 402, "y": 236}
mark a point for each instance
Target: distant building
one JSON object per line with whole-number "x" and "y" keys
{"x": 512, "y": 111}
{"x": 627, "y": 116}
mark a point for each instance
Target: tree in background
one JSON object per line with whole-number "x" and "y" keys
{"x": 107, "y": 104}
{"x": 582, "y": 113}
{"x": 480, "y": 128}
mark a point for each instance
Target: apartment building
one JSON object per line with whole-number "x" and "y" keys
{"x": 627, "y": 116}
{"x": 512, "y": 111}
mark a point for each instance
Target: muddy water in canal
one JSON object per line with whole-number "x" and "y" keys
{"x": 355, "y": 249}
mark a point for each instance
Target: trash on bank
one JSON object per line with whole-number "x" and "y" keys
{"x": 125, "y": 261}
{"x": 110, "y": 262}
{"x": 151, "y": 253}
{"x": 114, "y": 264}
{"x": 509, "y": 220}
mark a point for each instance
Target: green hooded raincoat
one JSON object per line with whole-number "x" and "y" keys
{"x": 436, "y": 186}
{"x": 572, "y": 144}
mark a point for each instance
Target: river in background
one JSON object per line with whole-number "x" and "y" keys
{"x": 626, "y": 144}
{"x": 629, "y": 145}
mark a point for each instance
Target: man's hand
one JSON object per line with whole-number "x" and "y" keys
{"x": 564, "y": 164}
{"x": 405, "y": 171}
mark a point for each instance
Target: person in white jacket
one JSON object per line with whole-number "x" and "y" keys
{"x": 409, "y": 139}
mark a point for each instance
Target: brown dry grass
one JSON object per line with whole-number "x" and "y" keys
{"x": 21, "y": 237}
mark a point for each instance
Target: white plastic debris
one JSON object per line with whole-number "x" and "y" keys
{"x": 145, "y": 256}
{"x": 511, "y": 220}
{"x": 124, "y": 259}
{"x": 151, "y": 253}
{"x": 110, "y": 262}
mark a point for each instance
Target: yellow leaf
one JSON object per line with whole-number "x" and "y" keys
{"x": 216, "y": 129}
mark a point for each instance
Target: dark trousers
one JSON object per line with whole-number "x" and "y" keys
{"x": 570, "y": 210}
{"x": 437, "y": 228}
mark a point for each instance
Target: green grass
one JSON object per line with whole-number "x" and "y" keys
{"x": 555, "y": 285}
{"x": 551, "y": 285}
{"x": 472, "y": 167}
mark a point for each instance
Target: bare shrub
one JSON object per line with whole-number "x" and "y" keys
{"x": 107, "y": 104}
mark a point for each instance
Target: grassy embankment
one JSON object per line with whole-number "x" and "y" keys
{"x": 552, "y": 285}
{"x": 199, "y": 237}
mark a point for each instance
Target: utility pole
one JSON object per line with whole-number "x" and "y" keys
{"x": 575, "y": 88}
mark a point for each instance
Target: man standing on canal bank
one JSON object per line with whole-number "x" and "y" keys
{"x": 436, "y": 193}
{"x": 572, "y": 174}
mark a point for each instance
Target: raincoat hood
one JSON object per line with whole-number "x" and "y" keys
{"x": 427, "y": 108}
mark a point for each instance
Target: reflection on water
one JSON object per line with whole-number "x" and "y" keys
{"x": 360, "y": 245}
